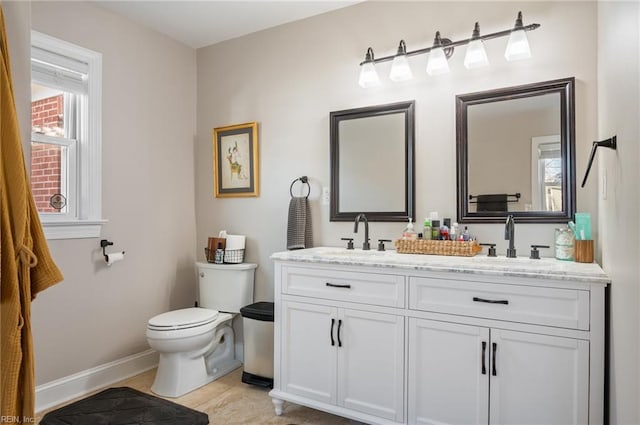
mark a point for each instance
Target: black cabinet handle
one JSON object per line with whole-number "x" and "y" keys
{"x": 493, "y": 366}
{"x": 483, "y": 300}
{"x": 336, "y": 285}
{"x": 339, "y": 340}
{"x": 333, "y": 322}
{"x": 484, "y": 350}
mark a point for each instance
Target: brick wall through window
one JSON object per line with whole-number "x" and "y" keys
{"x": 46, "y": 117}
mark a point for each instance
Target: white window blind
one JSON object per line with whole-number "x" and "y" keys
{"x": 54, "y": 70}
{"x": 549, "y": 150}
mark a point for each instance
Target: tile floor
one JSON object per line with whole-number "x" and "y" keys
{"x": 228, "y": 401}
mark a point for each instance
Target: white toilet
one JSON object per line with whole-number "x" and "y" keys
{"x": 196, "y": 345}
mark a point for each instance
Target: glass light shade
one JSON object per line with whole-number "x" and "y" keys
{"x": 437, "y": 63}
{"x": 475, "y": 57}
{"x": 400, "y": 69}
{"x": 368, "y": 76}
{"x": 518, "y": 46}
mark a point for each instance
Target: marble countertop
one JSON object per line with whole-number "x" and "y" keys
{"x": 545, "y": 268}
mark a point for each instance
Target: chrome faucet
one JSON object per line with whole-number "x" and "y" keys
{"x": 362, "y": 217}
{"x": 509, "y": 234}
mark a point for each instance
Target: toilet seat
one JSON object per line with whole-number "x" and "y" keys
{"x": 185, "y": 318}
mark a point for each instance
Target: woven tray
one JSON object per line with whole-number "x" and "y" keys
{"x": 422, "y": 246}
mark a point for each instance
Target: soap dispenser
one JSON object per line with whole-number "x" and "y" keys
{"x": 409, "y": 234}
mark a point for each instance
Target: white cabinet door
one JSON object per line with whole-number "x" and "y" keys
{"x": 448, "y": 373}
{"x": 309, "y": 361}
{"x": 539, "y": 379}
{"x": 371, "y": 363}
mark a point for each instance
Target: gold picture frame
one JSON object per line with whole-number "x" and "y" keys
{"x": 235, "y": 161}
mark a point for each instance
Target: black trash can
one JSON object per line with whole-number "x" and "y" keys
{"x": 257, "y": 323}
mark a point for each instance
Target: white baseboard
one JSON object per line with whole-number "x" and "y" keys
{"x": 73, "y": 386}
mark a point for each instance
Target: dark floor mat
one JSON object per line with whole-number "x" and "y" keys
{"x": 124, "y": 406}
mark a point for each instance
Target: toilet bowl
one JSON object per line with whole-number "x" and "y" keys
{"x": 197, "y": 345}
{"x": 187, "y": 340}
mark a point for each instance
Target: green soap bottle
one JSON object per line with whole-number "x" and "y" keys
{"x": 426, "y": 231}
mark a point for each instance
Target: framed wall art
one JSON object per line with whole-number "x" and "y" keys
{"x": 235, "y": 161}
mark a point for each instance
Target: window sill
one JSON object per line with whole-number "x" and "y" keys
{"x": 78, "y": 229}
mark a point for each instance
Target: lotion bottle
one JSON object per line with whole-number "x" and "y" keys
{"x": 435, "y": 229}
{"x": 454, "y": 232}
{"x": 444, "y": 229}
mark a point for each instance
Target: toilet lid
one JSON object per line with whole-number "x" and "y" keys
{"x": 181, "y": 319}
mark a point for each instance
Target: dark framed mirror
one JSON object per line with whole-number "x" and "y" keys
{"x": 516, "y": 153}
{"x": 372, "y": 162}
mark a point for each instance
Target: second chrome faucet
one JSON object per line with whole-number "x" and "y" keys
{"x": 361, "y": 217}
{"x": 509, "y": 234}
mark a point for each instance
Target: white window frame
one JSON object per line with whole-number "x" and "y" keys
{"x": 538, "y": 196}
{"x": 87, "y": 220}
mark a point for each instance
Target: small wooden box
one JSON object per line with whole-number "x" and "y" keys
{"x": 583, "y": 251}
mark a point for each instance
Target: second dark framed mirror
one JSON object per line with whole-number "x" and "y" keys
{"x": 516, "y": 153}
{"x": 372, "y": 162}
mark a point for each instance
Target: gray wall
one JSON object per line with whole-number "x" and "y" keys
{"x": 618, "y": 112}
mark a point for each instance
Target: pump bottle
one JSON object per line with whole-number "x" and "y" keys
{"x": 408, "y": 233}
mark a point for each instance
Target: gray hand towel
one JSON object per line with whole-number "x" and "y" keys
{"x": 299, "y": 234}
{"x": 496, "y": 202}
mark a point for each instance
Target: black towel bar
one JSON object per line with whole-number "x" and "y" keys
{"x": 304, "y": 180}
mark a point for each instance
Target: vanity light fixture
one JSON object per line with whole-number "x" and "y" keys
{"x": 442, "y": 50}
{"x": 368, "y": 75}
{"x": 518, "y": 45}
{"x": 400, "y": 69}
{"x": 476, "y": 57}
{"x": 438, "y": 62}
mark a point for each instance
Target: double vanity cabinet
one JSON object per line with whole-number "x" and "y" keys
{"x": 388, "y": 338}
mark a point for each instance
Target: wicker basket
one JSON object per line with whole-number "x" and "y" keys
{"x": 233, "y": 256}
{"x": 229, "y": 256}
{"x": 423, "y": 246}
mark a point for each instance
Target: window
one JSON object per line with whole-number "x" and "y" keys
{"x": 546, "y": 173}
{"x": 66, "y": 143}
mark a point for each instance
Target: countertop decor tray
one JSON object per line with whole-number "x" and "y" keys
{"x": 435, "y": 247}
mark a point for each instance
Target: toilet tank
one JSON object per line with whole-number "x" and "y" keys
{"x": 226, "y": 287}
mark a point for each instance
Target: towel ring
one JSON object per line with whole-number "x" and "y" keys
{"x": 304, "y": 180}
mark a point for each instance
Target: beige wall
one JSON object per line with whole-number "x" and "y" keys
{"x": 99, "y": 314}
{"x": 618, "y": 112}
{"x": 289, "y": 78}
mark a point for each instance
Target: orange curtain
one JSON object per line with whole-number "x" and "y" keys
{"x": 26, "y": 264}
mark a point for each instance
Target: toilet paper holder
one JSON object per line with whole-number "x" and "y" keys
{"x": 104, "y": 243}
